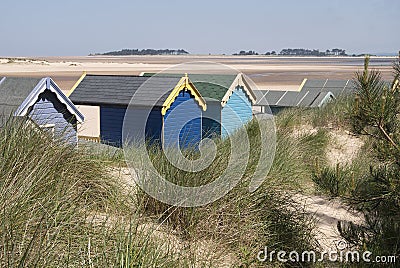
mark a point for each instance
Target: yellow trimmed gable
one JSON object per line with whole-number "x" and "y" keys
{"x": 183, "y": 84}
{"x": 76, "y": 84}
{"x": 302, "y": 84}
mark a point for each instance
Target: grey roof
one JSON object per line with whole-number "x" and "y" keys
{"x": 259, "y": 95}
{"x": 119, "y": 89}
{"x": 13, "y": 92}
{"x": 291, "y": 98}
{"x": 304, "y": 98}
{"x": 336, "y": 83}
{"x": 337, "y": 87}
{"x": 274, "y": 96}
{"x": 315, "y": 83}
{"x": 308, "y": 98}
{"x": 312, "y": 94}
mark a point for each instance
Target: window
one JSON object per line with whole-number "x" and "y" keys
{"x": 48, "y": 128}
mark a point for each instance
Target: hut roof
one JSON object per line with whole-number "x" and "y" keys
{"x": 119, "y": 90}
{"x": 13, "y": 92}
{"x": 304, "y": 98}
{"x": 18, "y": 94}
{"x": 213, "y": 87}
{"x": 336, "y": 87}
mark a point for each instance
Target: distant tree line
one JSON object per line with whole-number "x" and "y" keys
{"x": 148, "y": 51}
{"x": 245, "y": 53}
{"x": 298, "y": 52}
{"x": 313, "y": 52}
{"x": 283, "y": 52}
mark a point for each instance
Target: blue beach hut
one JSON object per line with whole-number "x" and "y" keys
{"x": 175, "y": 117}
{"x": 229, "y": 102}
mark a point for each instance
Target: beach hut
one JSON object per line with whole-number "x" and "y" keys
{"x": 311, "y": 94}
{"x": 336, "y": 87}
{"x": 278, "y": 100}
{"x": 229, "y": 102}
{"x": 113, "y": 93}
{"x": 43, "y": 102}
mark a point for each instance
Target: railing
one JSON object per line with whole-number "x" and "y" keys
{"x": 89, "y": 138}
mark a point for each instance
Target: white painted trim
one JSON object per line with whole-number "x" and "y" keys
{"x": 239, "y": 81}
{"x": 47, "y": 125}
{"x": 281, "y": 98}
{"x": 302, "y": 98}
{"x": 326, "y": 81}
{"x": 69, "y": 108}
{"x": 323, "y": 101}
{"x": 249, "y": 90}
{"x": 264, "y": 96}
{"x": 230, "y": 90}
{"x": 40, "y": 88}
{"x": 345, "y": 86}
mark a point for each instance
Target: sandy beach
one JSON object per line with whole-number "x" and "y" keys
{"x": 275, "y": 73}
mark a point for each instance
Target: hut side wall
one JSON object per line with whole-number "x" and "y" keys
{"x": 112, "y": 120}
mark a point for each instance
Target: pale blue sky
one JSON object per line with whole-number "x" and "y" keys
{"x": 46, "y": 28}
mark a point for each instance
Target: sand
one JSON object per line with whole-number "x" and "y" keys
{"x": 327, "y": 213}
{"x": 343, "y": 147}
{"x": 280, "y": 73}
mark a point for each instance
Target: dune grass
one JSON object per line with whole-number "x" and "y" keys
{"x": 59, "y": 207}
{"x": 243, "y": 222}
{"x": 331, "y": 115}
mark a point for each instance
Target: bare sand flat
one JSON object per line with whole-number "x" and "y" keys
{"x": 280, "y": 73}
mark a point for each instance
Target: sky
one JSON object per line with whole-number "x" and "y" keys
{"x": 77, "y": 28}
